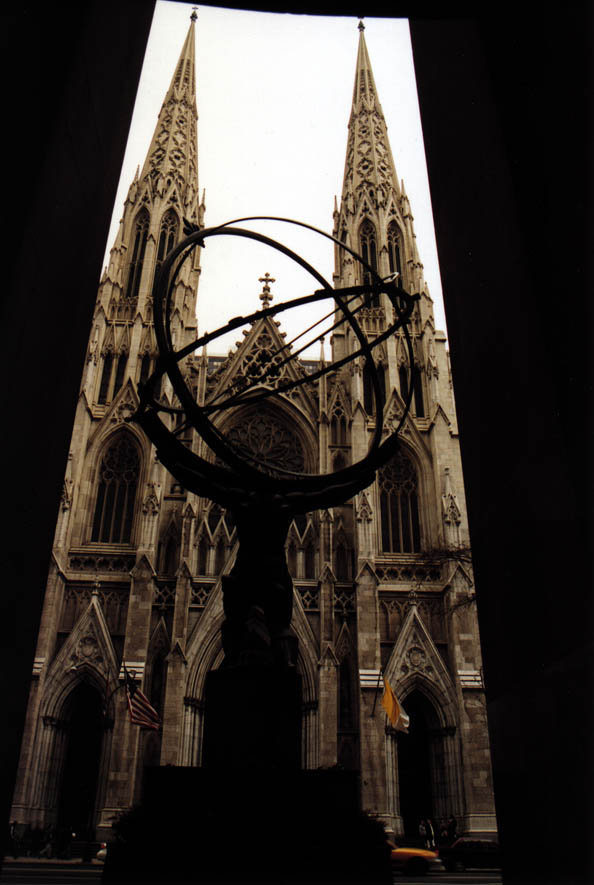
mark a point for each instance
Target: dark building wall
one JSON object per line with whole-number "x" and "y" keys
{"x": 506, "y": 109}
{"x": 69, "y": 83}
{"x": 506, "y": 106}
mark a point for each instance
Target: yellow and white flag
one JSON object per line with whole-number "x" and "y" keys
{"x": 394, "y": 711}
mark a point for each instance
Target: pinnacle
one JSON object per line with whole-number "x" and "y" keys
{"x": 172, "y": 153}
{"x": 369, "y": 176}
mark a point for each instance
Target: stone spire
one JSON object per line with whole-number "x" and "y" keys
{"x": 370, "y": 184}
{"x": 373, "y": 218}
{"x": 161, "y": 195}
{"x": 171, "y": 162}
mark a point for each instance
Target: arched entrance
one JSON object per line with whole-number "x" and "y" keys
{"x": 416, "y": 762}
{"x": 83, "y": 720}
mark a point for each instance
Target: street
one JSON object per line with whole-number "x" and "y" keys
{"x": 35, "y": 872}
{"x": 54, "y": 872}
{"x": 474, "y": 877}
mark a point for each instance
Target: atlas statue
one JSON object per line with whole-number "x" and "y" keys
{"x": 263, "y": 499}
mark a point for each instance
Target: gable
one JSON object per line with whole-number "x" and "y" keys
{"x": 88, "y": 652}
{"x": 250, "y": 364}
{"x": 415, "y": 661}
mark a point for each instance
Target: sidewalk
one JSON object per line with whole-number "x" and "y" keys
{"x": 23, "y": 858}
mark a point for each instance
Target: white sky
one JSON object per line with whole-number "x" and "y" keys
{"x": 274, "y": 96}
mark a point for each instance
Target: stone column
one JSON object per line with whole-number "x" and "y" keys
{"x": 328, "y": 707}
{"x": 479, "y": 803}
{"x": 175, "y": 687}
{"x": 371, "y": 722}
{"x": 124, "y": 769}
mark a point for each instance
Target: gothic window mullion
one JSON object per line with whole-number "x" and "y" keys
{"x": 145, "y": 368}
{"x": 96, "y": 531}
{"x": 118, "y": 511}
{"x": 129, "y": 511}
{"x": 418, "y": 392}
{"x": 386, "y": 523}
{"x": 394, "y": 254}
{"x": 406, "y": 523}
{"x": 119, "y": 373}
{"x": 109, "y": 511}
{"x": 137, "y": 260}
{"x": 167, "y": 238}
{"x": 105, "y": 384}
{"x": 399, "y": 509}
{"x": 116, "y": 492}
{"x": 396, "y": 523}
{"x": 367, "y": 245}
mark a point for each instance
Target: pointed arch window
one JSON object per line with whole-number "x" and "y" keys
{"x": 338, "y": 427}
{"x": 167, "y": 238}
{"x": 309, "y": 561}
{"x": 341, "y": 252}
{"x": 203, "y": 548}
{"x": 399, "y": 506}
{"x": 145, "y": 368}
{"x": 156, "y": 691}
{"x": 418, "y": 392}
{"x": 369, "y": 403}
{"x": 105, "y": 378}
{"x": 368, "y": 251}
{"x": 403, "y": 377}
{"x": 137, "y": 260}
{"x": 116, "y": 492}
{"x": 120, "y": 372}
{"x": 345, "y": 695}
{"x": 171, "y": 555}
{"x": 394, "y": 251}
{"x": 220, "y": 555}
{"x": 341, "y": 563}
{"x": 417, "y": 383}
{"x": 292, "y": 559}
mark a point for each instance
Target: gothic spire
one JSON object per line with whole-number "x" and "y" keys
{"x": 172, "y": 156}
{"x": 370, "y": 175}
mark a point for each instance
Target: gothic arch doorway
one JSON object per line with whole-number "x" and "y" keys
{"x": 417, "y": 763}
{"x": 77, "y": 794}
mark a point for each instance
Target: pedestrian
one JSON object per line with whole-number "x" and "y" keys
{"x": 26, "y": 840}
{"x": 452, "y": 825}
{"x": 422, "y": 831}
{"x": 13, "y": 839}
{"x": 430, "y": 834}
{"x": 47, "y": 849}
{"x": 36, "y": 841}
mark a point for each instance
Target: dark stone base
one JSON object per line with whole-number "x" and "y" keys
{"x": 260, "y": 827}
{"x": 252, "y": 718}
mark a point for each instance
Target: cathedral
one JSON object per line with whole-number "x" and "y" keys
{"x": 383, "y": 585}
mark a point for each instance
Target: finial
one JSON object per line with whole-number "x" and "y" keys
{"x": 266, "y": 296}
{"x": 96, "y": 587}
{"x": 194, "y": 15}
{"x": 361, "y": 26}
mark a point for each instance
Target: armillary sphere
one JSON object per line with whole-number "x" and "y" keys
{"x": 239, "y": 479}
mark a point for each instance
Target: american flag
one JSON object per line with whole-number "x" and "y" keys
{"x": 139, "y": 707}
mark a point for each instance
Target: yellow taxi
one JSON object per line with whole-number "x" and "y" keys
{"x": 415, "y": 861}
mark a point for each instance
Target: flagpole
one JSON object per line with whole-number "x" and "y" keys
{"x": 117, "y": 688}
{"x": 380, "y": 673}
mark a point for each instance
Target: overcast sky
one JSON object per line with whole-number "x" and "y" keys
{"x": 274, "y": 94}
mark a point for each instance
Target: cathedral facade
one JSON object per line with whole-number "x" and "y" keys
{"x": 383, "y": 585}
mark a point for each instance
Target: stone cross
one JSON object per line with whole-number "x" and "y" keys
{"x": 266, "y": 296}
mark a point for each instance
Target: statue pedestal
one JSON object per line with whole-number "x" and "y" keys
{"x": 252, "y": 827}
{"x": 252, "y": 719}
{"x": 249, "y": 815}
